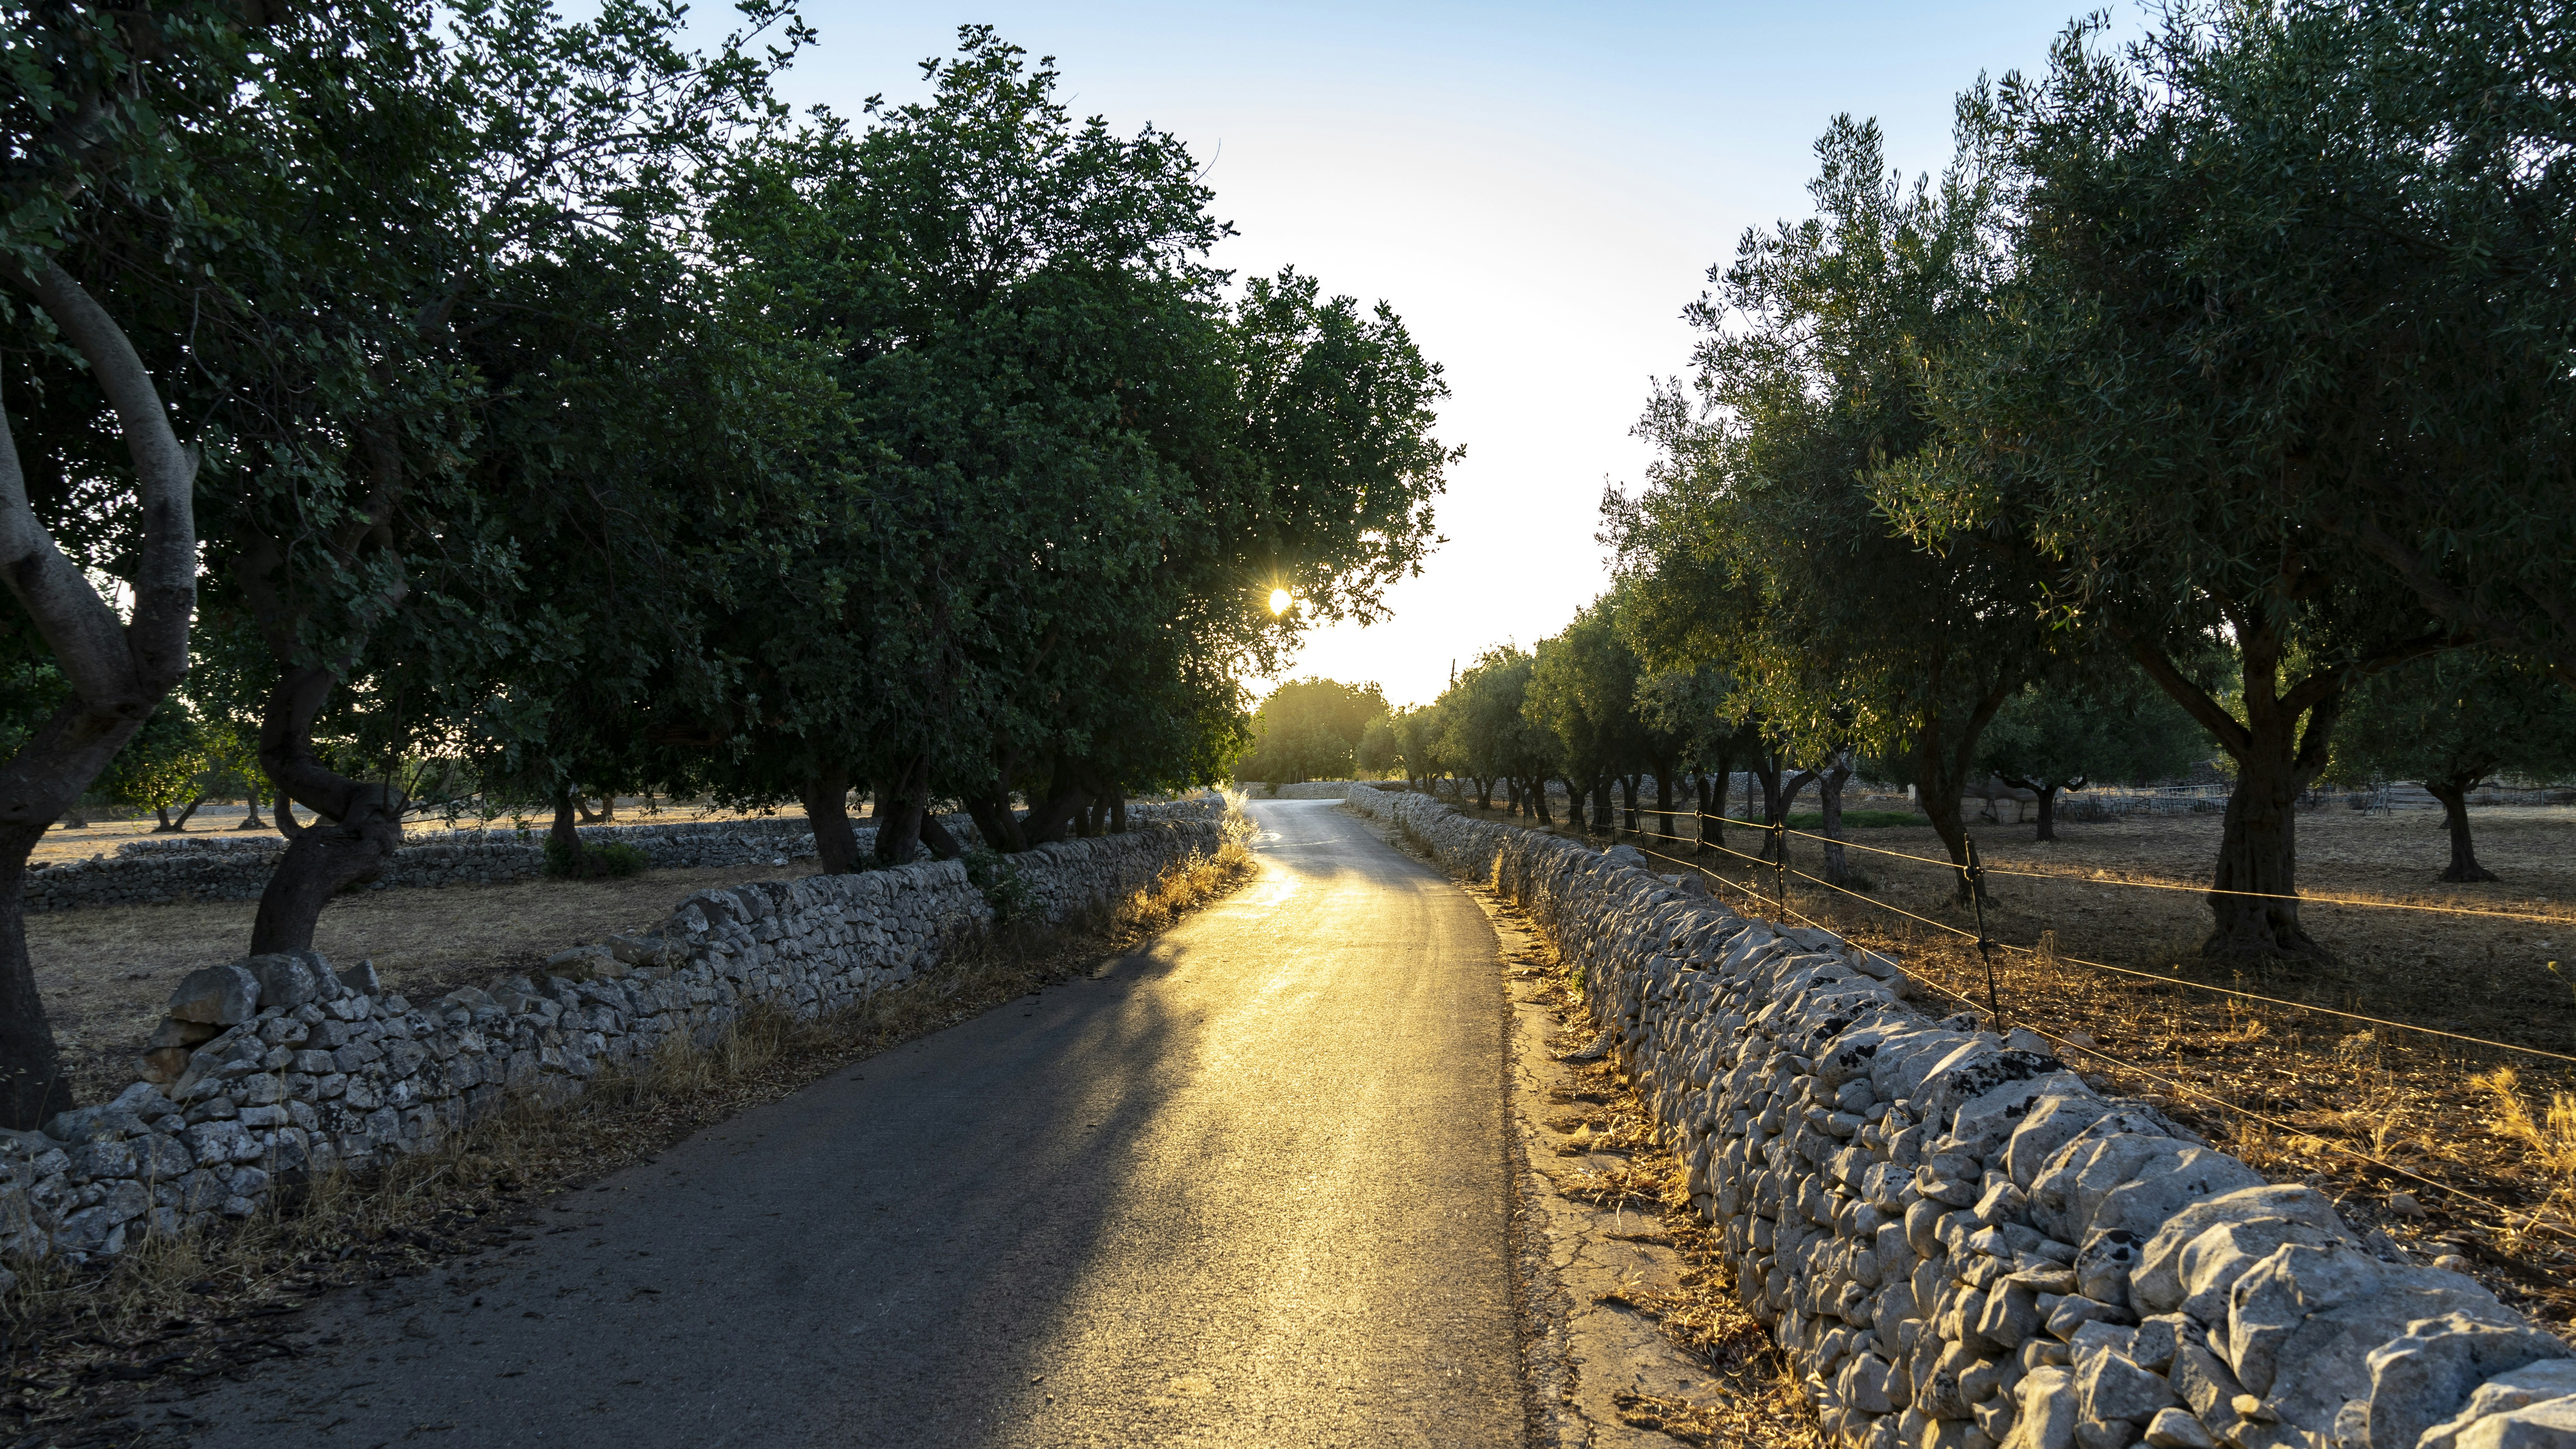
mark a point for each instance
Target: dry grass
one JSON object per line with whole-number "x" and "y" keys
{"x": 82, "y": 1345}
{"x": 1761, "y": 1403}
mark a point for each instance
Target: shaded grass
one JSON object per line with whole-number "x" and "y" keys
{"x": 80, "y": 1343}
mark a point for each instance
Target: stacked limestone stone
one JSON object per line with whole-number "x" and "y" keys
{"x": 278, "y": 1065}
{"x": 1962, "y": 1244}
{"x": 1069, "y": 876}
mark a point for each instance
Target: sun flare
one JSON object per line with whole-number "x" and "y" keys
{"x": 1280, "y": 599}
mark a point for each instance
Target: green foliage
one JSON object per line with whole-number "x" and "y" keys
{"x": 1310, "y": 729}
{"x": 1487, "y": 732}
{"x": 1421, "y": 736}
{"x": 1031, "y": 546}
{"x": 2107, "y": 727}
{"x": 1582, "y": 696}
{"x": 1378, "y": 750}
{"x": 993, "y": 874}
{"x": 2454, "y": 720}
{"x": 164, "y": 764}
{"x": 1757, "y": 552}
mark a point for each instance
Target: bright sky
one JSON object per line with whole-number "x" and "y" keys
{"x": 1538, "y": 190}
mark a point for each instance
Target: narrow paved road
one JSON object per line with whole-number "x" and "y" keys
{"x": 1246, "y": 1189}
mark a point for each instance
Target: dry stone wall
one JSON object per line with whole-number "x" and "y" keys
{"x": 1961, "y": 1243}
{"x": 280, "y": 1065}
{"x": 1058, "y": 881}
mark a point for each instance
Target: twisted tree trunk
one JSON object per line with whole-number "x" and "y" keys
{"x": 1830, "y": 793}
{"x": 902, "y": 804}
{"x": 356, "y": 829}
{"x": 118, "y": 667}
{"x": 2454, "y": 795}
{"x": 826, "y": 796}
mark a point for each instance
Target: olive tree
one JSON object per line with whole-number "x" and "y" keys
{"x": 2450, "y": 722}
{"x": 1758, "y": 544}
{"x": 2102, "y": 725}
{"x": 2204, "y": 356}
{"x": 106, "y": 250}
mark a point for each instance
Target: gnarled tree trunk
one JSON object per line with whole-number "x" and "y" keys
{"x": 1829, "y": 792}
{"x": 902, "y": 803}
{"x": 2280, "y": 747}
{"x": 2454, "y": 795}
{"x": 995, "y": 820}
{"x": 2047, "y": 798}
{"x": 357, "y": 826}
{"x": 1766, "y": 773}
{"x": 119, "y": 668}
{"x": 826, "y": 796}
{"x": 2253, "y": 895}
{"x": 563, "y": 841}
{"x": 1944, "y": 758}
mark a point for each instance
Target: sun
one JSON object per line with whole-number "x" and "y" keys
{"x": 1280, "y": 599}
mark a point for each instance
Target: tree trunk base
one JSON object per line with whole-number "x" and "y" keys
{"x": 2464, "y": 874}
{"x": 2255, "y": 944}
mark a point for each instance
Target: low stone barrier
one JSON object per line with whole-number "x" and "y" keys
{"x": 279, "y": 1065}
{"x": 1058, "y": 881}
{"x": 1962, "y": 1244}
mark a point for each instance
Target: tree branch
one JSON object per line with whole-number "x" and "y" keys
{"x": 2231, "y": 734}
{"x": 111, "y": 663}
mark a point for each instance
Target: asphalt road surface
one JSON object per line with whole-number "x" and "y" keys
{"x": 1248, "y": 1189}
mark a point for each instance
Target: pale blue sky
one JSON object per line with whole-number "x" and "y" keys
{"x": 1537, "y": 189}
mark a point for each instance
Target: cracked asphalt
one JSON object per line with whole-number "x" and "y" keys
{"x": 1248, "y": 1187}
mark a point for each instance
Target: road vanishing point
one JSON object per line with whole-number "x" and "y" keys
{"x": 1246, "y": 1187}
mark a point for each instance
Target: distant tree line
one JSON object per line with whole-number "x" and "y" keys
{"x": 471, "y": 399}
